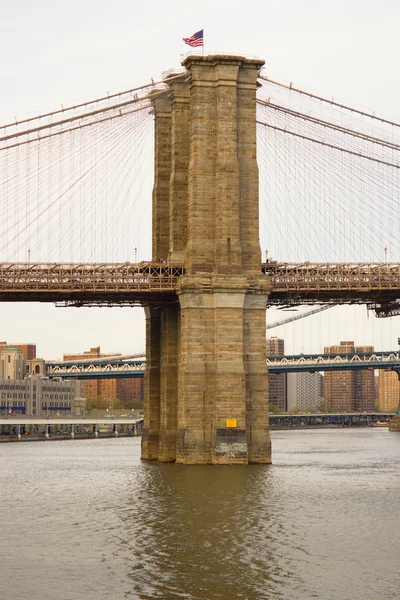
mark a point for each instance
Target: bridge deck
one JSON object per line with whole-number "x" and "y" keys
{"x": 129, "y": 283}
{"x": 78, "y": 283}
{"x": 342, "y": 283}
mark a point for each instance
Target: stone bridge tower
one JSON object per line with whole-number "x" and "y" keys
{"x": 206, "y": 378}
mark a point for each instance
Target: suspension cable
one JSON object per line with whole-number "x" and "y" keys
{"x": 93, "y": 113}
{"x": 70, "y": 129}
{"x": 329, "y": 125}
{"x": 331, "y": 102}
{"x": 153, "y": 84}
{"x": 310, "y": 139}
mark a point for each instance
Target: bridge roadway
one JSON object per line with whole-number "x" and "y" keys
{"x": 69, "y": 420}
{"x": 376, "y": 284}
{"x": 21, "y": 424}
{"x": 389, "y": 360}
{"x": 118, "y": 368}
{"x": 108, "y": 284}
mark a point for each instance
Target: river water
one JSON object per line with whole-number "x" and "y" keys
{"x": 87, "y": 520}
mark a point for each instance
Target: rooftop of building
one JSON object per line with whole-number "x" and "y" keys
{"x": 11, "y": 349}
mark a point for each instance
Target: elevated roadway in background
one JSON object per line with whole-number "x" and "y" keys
{"x": 389, "y": 360}
{"x": 37, "y": 428}
{"x": 69, "y": 420}
{"x": 102, "y": 360}
{"x": 114, "y": 370}
{"x": 117, "y": 367}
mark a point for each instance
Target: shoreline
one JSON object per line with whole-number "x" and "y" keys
{"x": 11, "y": 439}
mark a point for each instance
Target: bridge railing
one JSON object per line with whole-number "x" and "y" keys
{"x": 59, "y": 370}
{"x": 332, "y": 276}
{"x": 116, "y": 367}
{"x": 79, "y": 284}
{"x": 89, "y": 277}
{"x": 371, "y": 359}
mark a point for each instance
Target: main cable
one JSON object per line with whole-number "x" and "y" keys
{"x": 327, "y": 101}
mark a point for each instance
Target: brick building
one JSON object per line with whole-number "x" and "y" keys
{"x": 127, "y": 390}
{"x": 276, "y": 381}
{"x": 339, "y": 385}
{"x": 130, "y": 389}
{"x": 388, "y": 391}
{"x": 28, "y": 350}
{"x": 349, "y": 390}
{"x": 364, "y": 386}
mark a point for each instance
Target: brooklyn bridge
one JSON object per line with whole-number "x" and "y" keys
{"x": 206, "y": 287}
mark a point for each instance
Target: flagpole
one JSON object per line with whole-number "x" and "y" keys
{"x": 203, "y": 42}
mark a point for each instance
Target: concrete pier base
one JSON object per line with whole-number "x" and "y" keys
{"x": 394, "y": 424}
{"x": 222, "y": 390}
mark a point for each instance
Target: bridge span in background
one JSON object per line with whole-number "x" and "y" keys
{"x": 121, "y": 368}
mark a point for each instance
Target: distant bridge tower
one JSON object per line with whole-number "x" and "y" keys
{"x": 206, "y": 378}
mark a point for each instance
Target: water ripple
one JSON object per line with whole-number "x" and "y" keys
{"x": 88, "y": 519}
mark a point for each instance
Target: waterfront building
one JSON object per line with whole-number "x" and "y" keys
{"x": 388, "y": 393}
{"x": 91, "y": 386}
{"x": 96, "y": 388}
{"x": 36, "y": 366}
{"x": 131, "y": 390}
{"x": 349, "y": 390}
{"x": 12, "y": 364}
{"x": 303, "y": 391}
{"x": 34, "y": 395}
{"x": 277, "y": 381}
{"x": 28, "y": 350}
{"x": 364, "y": 386}
{"x": 339, "y": 385}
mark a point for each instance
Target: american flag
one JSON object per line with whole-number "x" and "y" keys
{"x": 197, "y": 39}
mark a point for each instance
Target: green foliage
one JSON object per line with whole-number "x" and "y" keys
{"x": 101, "y": 403}
{"x": 132, "y": 403}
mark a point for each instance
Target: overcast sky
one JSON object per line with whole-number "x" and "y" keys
{"x": 57, "y": 53}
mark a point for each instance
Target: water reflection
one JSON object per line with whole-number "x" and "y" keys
{"x": 204, "y": 530}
